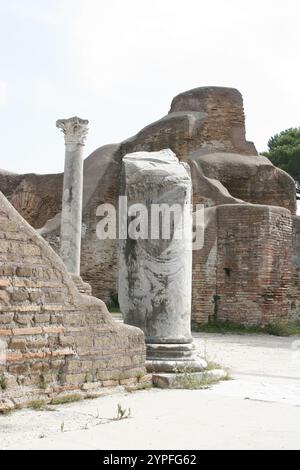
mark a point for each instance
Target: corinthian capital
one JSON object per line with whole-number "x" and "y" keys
{"x": 75, "y": 130}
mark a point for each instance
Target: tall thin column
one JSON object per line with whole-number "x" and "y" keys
{"x": 75, "y": 131}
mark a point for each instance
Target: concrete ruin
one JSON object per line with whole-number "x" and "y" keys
{"x": 54, "y": 340}
{"x": 248, "y": 269}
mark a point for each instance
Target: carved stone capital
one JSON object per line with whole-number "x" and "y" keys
{"x": 75, "y": 130}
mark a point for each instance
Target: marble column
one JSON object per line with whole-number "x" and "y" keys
{"x": 155, "y": 271}
{"x": 75, "y": 131}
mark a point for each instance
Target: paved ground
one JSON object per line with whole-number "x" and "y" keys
{"x": 259, "y": 409}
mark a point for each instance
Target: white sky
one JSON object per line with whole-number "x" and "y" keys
{"x": 118, "y": 63}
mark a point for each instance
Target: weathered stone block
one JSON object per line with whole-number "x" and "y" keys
{"x": 27, "y": 331}
{"x": 19, "y": 369}
{"x": 131, "y": 381}
{"x": 35, "y": 296}
{"x": 42, "y": 318}
{"x": 37, "y": 342}
{"x": 83, "y": 342}
{"x": 4, "y": 297}
{"x": 146, "y": 379}
{"x": 91, "y": 386}
{"x": 17, "y": 343}
{"x": 40, "y": 367}
{"x": 7, "y": 270}
{"x": 4, "y": 283}
{"x": 57, "y": 364}
{"x": 23, "y": 318}
{"x": 6, "y": 318}
{"x": 24, "y": 271}
{"x": 53, "y": 330}
{"x": 66, "y": 341}
{"x": 6, "y": 332}
{"x": 30, "y": 250}
{"x": 19, "y": 295}
{"x": 74, "y": 379}
{"x": 110, "y": 383}
{"x": 54, "y": 297}
{"x": 74, "y": 366}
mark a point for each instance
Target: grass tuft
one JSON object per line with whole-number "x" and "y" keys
{"x": 228, "y": 327}
{"x": 203, "y": 381}
{"x": 37, "y": 405}
{"x": 211, "y": 365}
{"x": 66, "y": 399}
{"x": 6, "y": 412}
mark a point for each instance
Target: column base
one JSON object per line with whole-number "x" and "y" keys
{"x": 174, "y": 358}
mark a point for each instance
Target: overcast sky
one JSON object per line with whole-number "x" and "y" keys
{"x": 118, "y": 63}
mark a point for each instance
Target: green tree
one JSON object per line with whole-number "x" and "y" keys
{"x": 284, "y": 152}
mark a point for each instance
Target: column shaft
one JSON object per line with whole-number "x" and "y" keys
{"x": 75, "y": 131}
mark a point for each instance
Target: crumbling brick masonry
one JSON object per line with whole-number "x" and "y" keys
{"x": 56, "y": 339}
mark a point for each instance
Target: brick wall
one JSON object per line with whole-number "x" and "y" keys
{"x": 56, "y": 338}
{"x": 251, "y": 248}
{"x": 224, "y": 117}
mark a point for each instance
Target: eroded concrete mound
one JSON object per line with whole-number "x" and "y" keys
{"x": 249, "y": 178}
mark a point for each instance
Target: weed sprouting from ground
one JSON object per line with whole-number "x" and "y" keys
{"x": 42, "y": 382}
{"x": 122, "y": 413}
{"x": 3, "y": 383}
{"x": 113, "y": 303}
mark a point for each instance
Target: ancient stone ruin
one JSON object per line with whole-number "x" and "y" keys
{"x": 54, "y": 340}
{"x": 248, "y": 268}
{"x": 155, "y": 268}
{"x": 75, "y": 131}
